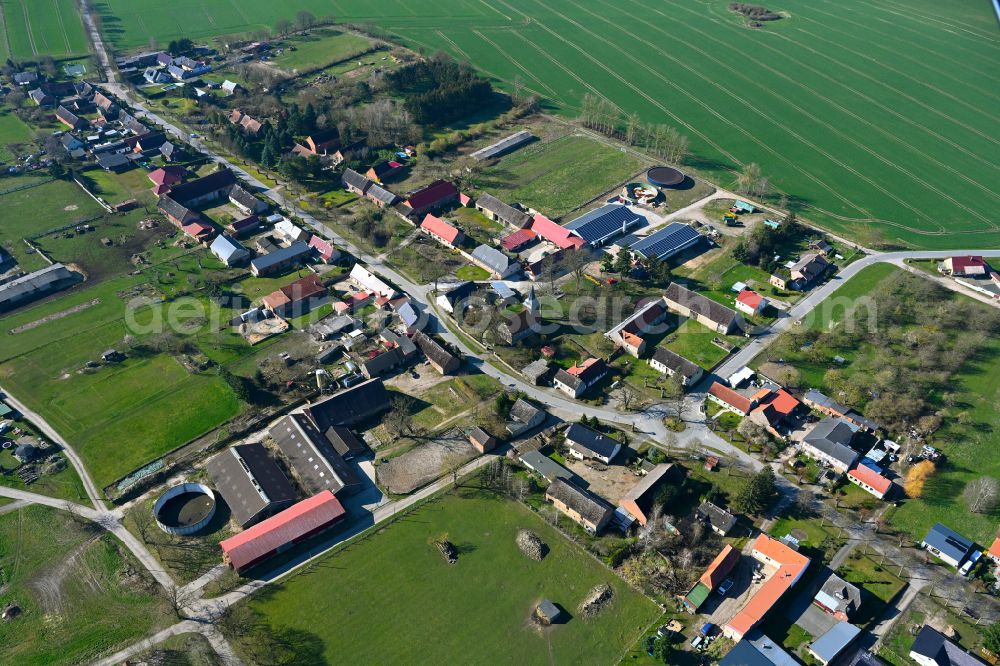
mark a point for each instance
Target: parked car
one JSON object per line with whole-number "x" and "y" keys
{"x": 726, "y": 584}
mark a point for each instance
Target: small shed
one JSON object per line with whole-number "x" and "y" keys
{"x": 742, "y": 207}
{"x": 548, "y": 613}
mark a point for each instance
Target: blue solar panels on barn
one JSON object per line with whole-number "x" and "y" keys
{"x": 667, "y": 241}
{"x": 604, "y": 223}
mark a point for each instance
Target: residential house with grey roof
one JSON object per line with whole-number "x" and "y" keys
{"x": 830, "y": 442}
{"x": 496, "y": 262}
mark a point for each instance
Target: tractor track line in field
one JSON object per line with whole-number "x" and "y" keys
{"x": 894, "y": 28}
{"x": 6, "y": 34}
{"x": 62, "y": 25}
{"x": 208, "y": 17}
{"x": 891, "y": 136}
{"x": 561, "y": 66}
{"x": 712, "y": 111}
{"x": 894, "y": 22}
{"x": 27, "y": 27}
{"x": 880, "y": 105}
{"x": 514, "y": 62}
{"x": 488, "y": 5}
{"x": 908, "y": 12}
{"x": 916, "y": 101}
{"x": 236, "y": 7}
{"x": 639, "y": 92}
{"x": 809, "y": 143}
{"x": 404, "y": 39}
{"x": 825, "y": 29}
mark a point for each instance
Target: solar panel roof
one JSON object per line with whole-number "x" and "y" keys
{"x": 667, "y": 241}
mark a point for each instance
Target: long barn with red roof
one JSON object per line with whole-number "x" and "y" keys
{"x": 282, "y": 531}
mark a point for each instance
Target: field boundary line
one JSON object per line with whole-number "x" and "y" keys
{"x": 878, "y": 156}
{"x": 917, "y": 64}
{"x": 6, "y": 35}
{"x": 706, "y": 107}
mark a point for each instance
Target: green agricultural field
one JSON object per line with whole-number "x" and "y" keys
{"x": 855, "y": 108}
{"x": 81, "y": 594}
{"x": 558, "y": 176}
{"x": 320, "y": 48}
{"x": 33, "y": 28}
{"x": 339, "y": 612}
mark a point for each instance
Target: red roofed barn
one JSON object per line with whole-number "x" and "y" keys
{"x": 282, "y": 531}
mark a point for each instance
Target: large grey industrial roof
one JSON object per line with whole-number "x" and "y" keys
{"x": 667, "y": 242}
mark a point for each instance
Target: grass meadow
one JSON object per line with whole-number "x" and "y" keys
{"x": 558, "y": 176}
{"x": 359, "y": 604}
{"x": 854, "y": 108}
{"x": 33, "y": 28}
{"x": 81, "y": 595}
{"x": 322, "y": 47}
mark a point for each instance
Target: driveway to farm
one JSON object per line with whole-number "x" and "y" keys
{"x": 88, "y": 484}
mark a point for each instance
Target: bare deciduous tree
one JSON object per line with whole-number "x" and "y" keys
{"x": 981, "y": 494}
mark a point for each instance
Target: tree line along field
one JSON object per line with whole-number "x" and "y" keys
{"x": 851, "y": 107}
{"x": 33, "y": 28}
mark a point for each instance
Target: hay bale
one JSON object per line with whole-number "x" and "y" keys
{"x": 529, "y": 543}
{"x": 598, "y": 598}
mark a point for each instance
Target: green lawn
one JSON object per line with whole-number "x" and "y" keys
{"x": 123, "y": 416}
{"x": 694, "y": 342}
{"x": 320, "y": 47}
{"x": 471, "y": 272}
{"x": 102, "y": 600}
{"x": 556, "y": 177}
{"x": 382, "y": 599}
{"x": 13, "y": 132}
{"x": 880, "y": 585}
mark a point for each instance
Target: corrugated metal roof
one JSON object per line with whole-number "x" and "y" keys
{"x": 292, "y": 524}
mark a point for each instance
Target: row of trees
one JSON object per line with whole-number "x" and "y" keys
{"x": 604, "y": 116}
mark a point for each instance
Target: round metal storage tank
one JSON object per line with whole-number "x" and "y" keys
{"x": 185, "y": 509}
{"x": 663, "y": 176}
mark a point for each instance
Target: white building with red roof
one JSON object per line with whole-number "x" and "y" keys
{"x": 443, "y": 232}
{"x": 750, "y": 302}
{"x": 965, "y": 266}
{"x": 870, "y": 480}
